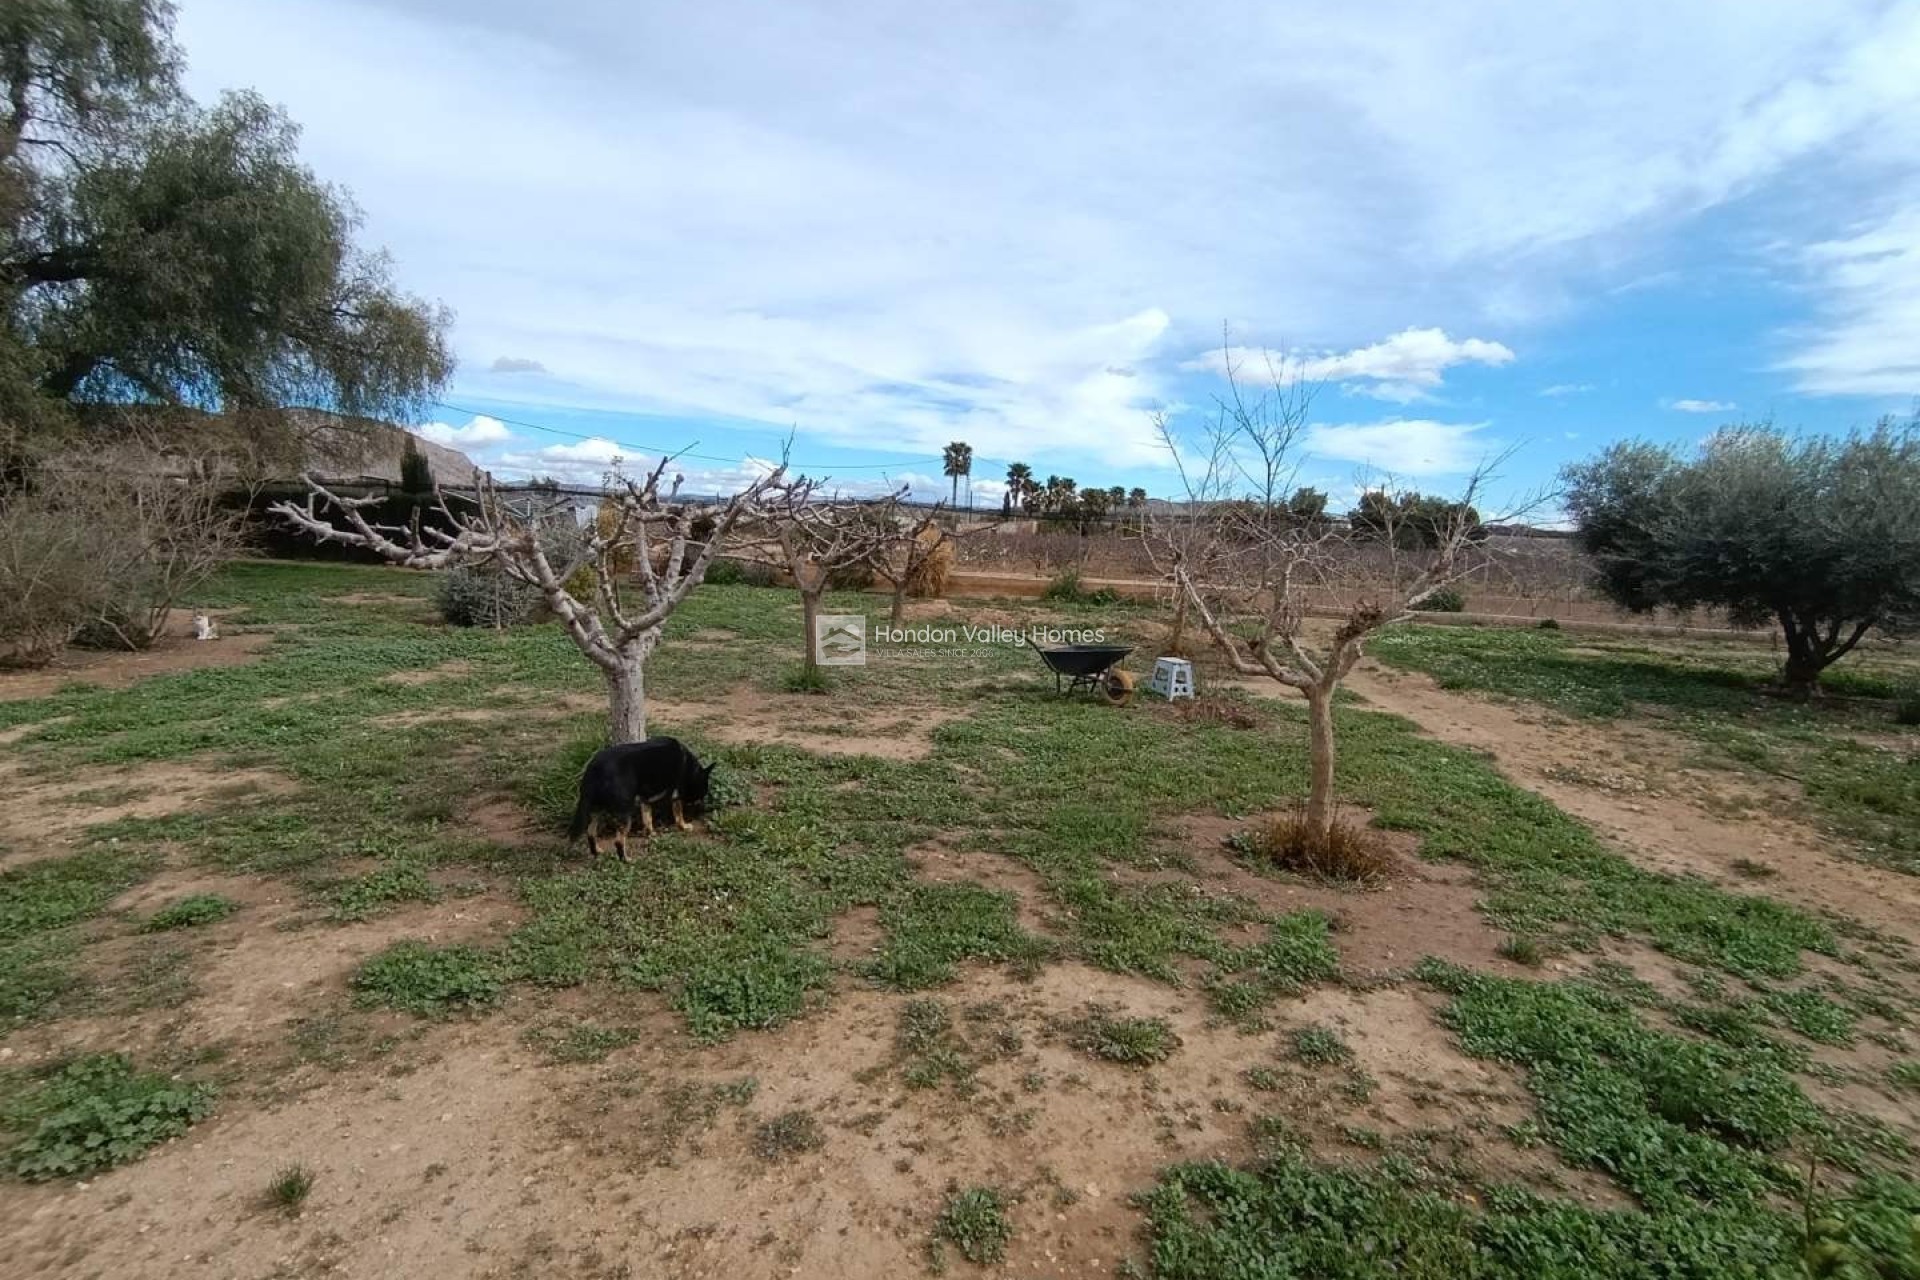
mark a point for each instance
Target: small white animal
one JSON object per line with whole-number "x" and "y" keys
{"x": 203, "y": 628}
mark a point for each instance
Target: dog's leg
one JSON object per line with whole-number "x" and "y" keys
{"x": 646, "y": 818}
{"x": 593, "y": 837}
{"x": 621, "y": 835}
{"x": 679, "y": 816}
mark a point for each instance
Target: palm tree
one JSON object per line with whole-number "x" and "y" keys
{"x": 1136, "y": 498}
{"x": 1019, "y": 484}
{"x": 957, "y": 459}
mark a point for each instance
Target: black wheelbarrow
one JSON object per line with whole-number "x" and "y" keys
{"x": 1088, "y": 666}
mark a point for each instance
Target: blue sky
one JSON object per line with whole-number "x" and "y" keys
{"x": 1027, "y": 224}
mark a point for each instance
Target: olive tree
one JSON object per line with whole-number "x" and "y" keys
{"x": 669, "y": 541}
{"x": 1817, "y": 534}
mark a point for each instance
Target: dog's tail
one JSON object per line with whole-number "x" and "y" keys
{"x": 582, "y": 814}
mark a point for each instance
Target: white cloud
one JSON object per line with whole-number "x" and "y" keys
{"x": 796, "y": 214}
{"x": 1403, "y": 446}
{"x": 1700, "y": 406}
{"x": 1403, "y": 368}
{"x": 515, "y": 364}
{"x": 1868, "y": 341}
{"x": 479, "y": 431}
{"x": 1560, "y": 389}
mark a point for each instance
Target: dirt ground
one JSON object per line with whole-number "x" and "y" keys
{"x": 456, "y": 1148}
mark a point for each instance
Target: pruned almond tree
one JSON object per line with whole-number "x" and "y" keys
{"x": 1248, "y": 568}
{"x": 816, "y": 535}
{"x": 668, "y": 540}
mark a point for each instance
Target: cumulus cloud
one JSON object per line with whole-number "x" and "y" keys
{"x": 515, "y": 364}
{"x": 1403, "y": 368}
{"x": 1404, "y": 446}
{"x": 1701, "y": 406}
{"x": 479, "y": 431}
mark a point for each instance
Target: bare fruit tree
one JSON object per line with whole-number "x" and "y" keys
{"x": 1249, "y": 568}
{"x": 817, "y": 536}
{"x": 669, "y": 542}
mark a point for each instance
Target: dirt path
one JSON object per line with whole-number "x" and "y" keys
{"x": 1633, "y": 784}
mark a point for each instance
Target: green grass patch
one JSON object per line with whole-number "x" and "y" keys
{"x": 91, "y": 1114}
{"x": 1320, "y": 1047}
{"x": 190, "y": 912}
{"x": 932, "y": 927}
{"x": 418, "y": 977}
{"x": 1288, "y": 1218}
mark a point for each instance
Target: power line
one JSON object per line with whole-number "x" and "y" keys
{"x": 703, "y": 457}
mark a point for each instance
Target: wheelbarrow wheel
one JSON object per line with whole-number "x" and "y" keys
{"x": 1118, "y": 686}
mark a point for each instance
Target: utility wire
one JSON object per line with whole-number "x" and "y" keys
{"x": 703, "y": 457}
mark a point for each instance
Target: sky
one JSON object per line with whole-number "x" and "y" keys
{"x": 859, "y": 231}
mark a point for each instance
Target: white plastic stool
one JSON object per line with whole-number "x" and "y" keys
{"x": 1172, "y": 678}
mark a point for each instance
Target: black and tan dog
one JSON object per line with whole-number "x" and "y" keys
{"x": 625, "y": 782}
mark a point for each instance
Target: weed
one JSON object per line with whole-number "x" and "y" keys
{"x": 805, "y": 679}
{"x": 1905, "y": 1075}
{"x": 190, "y": 912}
{"x": 974, "y": 1221}
{"x": 1444, "y": 600}
{"x": 418, "y": 977}
{"x": 1812, "y": 1015}
{"x": 1297, "y": 952}
{"x": 1320, "y": 1046}
{"x": 788, "y": 1134}
{"x": 1522, "y": 949}
{"x": 1262, "y": 1079}
{"x": 93, "y": 1113}
{"x": 290, "y": 1188}
{"x": 1753, "y": 870}
{"x": 389, "y": 886}
{"x": 1101, "y": 1034}
{"x": 1347, "y": 854}
{"x": 579, "y": 1042}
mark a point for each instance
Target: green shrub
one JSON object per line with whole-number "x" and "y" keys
{"x": 1908, "y": 712}
{"x": 418, "y": 977}
{"x": 190, "y": 912}
{"x": 1547, "y": 624}
{"x": 740, "y": 573}
{"x": 94, "y": 1113}
{"x": 482, "y": 596}
{"x": 1445, "y": 600}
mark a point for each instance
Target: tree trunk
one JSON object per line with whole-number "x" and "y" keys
{"x": 810, "y": 615}
{"x": 627, "y": 690}
{"x": 1320, "y": 755}
{"x": 1801, "y": 675}
{"x": 1177, "y": 638}
{"x": 898, "y": 613}
{"x": 626, "y": 706}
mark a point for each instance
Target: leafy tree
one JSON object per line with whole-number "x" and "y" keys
{"x": 1308, "y": 505}
{"x": 1820, "y": 534}
{"x": 155, "y": 251}
{"x": 1136, "y": 498}
{"x": 1412, "y": 521}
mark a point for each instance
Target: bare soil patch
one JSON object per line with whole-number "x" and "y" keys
{"x": 175, "y": 650}
{"x": 1648, "y": 802}
{"x": 42, "y": 815}
{"x": 827, "y": 726}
